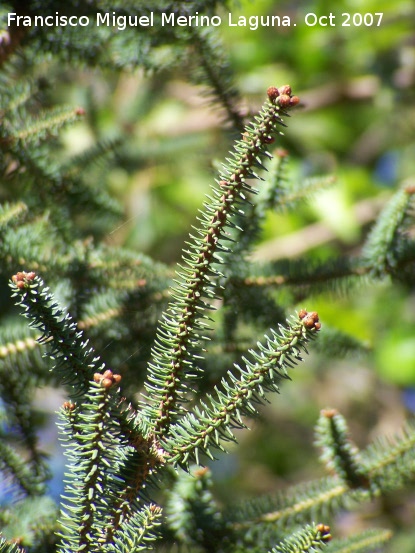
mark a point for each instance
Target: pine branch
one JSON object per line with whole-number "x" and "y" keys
{"x": 179, "y": 335}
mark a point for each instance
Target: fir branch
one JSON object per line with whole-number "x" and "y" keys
{"x": 217, "y": 74}
{"x": 290, "y": 198}
{"x": 390, "y": 462}
{"x": 180, "y": 332}
{"x": 193, "y": 515}
{"x": 74, "y": 363}
{"x": 299, "y": 504}
{"x": 211, "y": 422}
{"x": 309, "y": 276}
{"x": 38, "y": 128}
{"x": 9, "y": 547}
{"x": 21, "y": 471}
{"x": 309, "y": 540}
{"x": 110, "y": 465}
{"x": 19, "y": 345}
{"x": 84, "y": 520}
{"x": 138, "y": 533}
{"x": 364, "y": 542}
{"x": 386, "y": 240}
{"x": 12, "y": 212}
{"x": 339, "y": 454}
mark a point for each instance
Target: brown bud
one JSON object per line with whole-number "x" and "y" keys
{"x": 311, "y": 320}
{"x": 273, "y": 93}
{"x": 98, "y": 377}
{"x": 283, "y": 101}
{"x": 269, "y": 139}
{"x": 324, "y": 531}
{"x": 20, "y": 284}
{"x": 116, "y": 378}
{"x": 107, "y": 374}
{"x": 294, "y": 101}
{"x": 106, "y": 383}
{"x": 69, "y": 406}
{"x": 285, "y": 89}
{"x": 302, "y": 313}
{"x": 329, "y": 413}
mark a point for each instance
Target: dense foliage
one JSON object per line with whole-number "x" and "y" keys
{"x": 110, "y": 141}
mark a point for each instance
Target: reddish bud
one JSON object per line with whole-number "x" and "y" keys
{"x": 285, "y": 89}
{"x": 283, "y": 101}
{"x": 311, "y": 320}
{"x": 329, "y": 413}
{"x": 324, "y": 531}
{"x": 106, "y": 383}
{"x": 80, "y": 111}
{"x": 294, "y": 101}
{"x": 273, "y": 93}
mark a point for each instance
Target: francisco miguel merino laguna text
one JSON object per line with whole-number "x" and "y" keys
{"x": 121, "y": 22}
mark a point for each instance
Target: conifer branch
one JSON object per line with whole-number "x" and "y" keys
{"x": 12, "y": 212}
{"x": 84, "y": 522}
{"x": 310, "y": 539}
{"x": 211, "y": 422}
{"x": 73, "y": 361}
{"x": 386, "y": 240}
{"x": 138, "y": 533}
{"x": 366, "y": 542}
{"x": 339, "y": 454}
{"x": 301, "y": 503}
{"x": 217, "y": 74}
{"x": 22, "y": 472}
{"x": 390, "y": 462}
{"x": 9, "y": 547}
{"x": 179, "y": 334}
{"x": 37, "y": 128}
